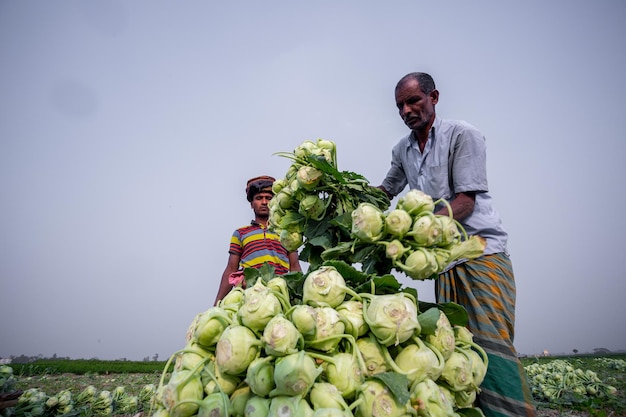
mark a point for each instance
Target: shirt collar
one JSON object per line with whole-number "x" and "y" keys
{"x": 433, "y": 129}
{"x": 255, "y": 223}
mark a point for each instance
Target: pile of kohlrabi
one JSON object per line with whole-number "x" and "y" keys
{"x": 263, "y": 351}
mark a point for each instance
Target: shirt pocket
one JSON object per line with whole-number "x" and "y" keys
{"x": 437, "y": 183}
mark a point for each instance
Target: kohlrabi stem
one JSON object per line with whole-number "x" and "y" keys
{"x": 448, "y": 206}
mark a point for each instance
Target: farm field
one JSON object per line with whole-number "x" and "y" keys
{"x": 52, "y": 376}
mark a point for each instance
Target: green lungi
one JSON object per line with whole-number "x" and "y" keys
{"x": 486, "y": 288}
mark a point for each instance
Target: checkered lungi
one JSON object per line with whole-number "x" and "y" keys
{"x": 486, "y": 288}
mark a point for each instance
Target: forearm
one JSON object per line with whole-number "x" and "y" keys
{"x": 462, "y": 206}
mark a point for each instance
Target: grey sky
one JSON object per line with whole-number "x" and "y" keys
{"x": 128, "y": 130}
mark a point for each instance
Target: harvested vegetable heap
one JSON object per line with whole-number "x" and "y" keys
{"x": 336, "y": 341}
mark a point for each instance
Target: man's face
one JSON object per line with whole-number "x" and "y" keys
{"x": 260, "y": 204}
{"x": 416, "y": 108}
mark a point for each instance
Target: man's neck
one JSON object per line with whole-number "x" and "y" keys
{"x": 422, "y": 135}
{"x": 261, "y": 221}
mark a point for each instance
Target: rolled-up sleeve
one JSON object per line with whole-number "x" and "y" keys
{"x": 468, "y": 164}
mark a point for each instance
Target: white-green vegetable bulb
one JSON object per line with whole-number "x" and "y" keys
{"x": 183, "y": 385}
{"x": 420, "y": 264}
{"x": 324, "y": 286}
{"x": 426, "y": 230}
{"x": 420, "y": 361}
{"x": 375, "y": 400}
{"x": 210, "y": 326}
{"x": 457, "y": 372}
{"x": 326, "y": 395}
{"x": 291, "y": 240}
{"x": 372, "y": 355}
{"x": 368, "y": 222}
{"x": 398, "y": 223}
{"x": 312, "y": 207}
{"x": 258, "y": 307}
{"x": 304, "y": 318}
{"x": 309, "y": 177}
{"x": 215, "y": 380}
{"x": 344, "y": 372}
{"x": 328, "y": 329}
{"x": 236, "y": 349}
{"x": 295, "y": 374}
{"x": 257, "y": 407}
{"x": 395, "y": 250}
{"x": 351, "y": 313}
{"x": 450, "y": 232}
{"x": 280, "y": 337}
{"x": 392, "y": 318}
{"x": 430, "y": 401}
{"x": 238, "y": 400}
{"x": 287, "y": 406}
{"x": 443, "y": 338}
{"x": 416, "y": 202}
{"x": 260, "y": 376}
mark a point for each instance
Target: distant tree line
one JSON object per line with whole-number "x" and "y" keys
{"x": 28, "y": 359}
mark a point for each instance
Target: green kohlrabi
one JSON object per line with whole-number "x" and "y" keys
{"x": 418, "y": 361}
{"x": 398, "y": 223}
{"x": 281, "y": 337}
{"x": 325, "y": 286}
{"x": 426, "y": 230}
{"x": 183, "y": 385}
{"x": 295, "y": 374}
{"x": 420, "y": 264}
{"x": 368, "y": 223}
{"x": 351, "y": 313}
{"x": 260, "y": 304}
{"x": 443, "y": 339}
{"x": 392, "y": 318}
{"x": 237, "y": 348}
{"x": 416, "y": 202}
{"x": 372, "y": 354}
{"x": 376, "y": 400}
{"x": 257, "y": 407}
{"x": 260, "y": 376}
{"x": 430, "y": 400}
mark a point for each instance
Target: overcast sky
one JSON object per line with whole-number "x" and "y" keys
{"x": 128, "y": 130}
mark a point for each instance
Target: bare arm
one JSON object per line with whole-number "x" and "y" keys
{"x": 294, "y": 262}
{"x": 462, "y": 206}
{"x": 225, "y": 286}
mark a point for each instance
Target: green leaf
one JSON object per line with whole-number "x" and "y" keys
{"x": 428, "y": 320}
{"x": 397, "y": 384}
{"x": 456, "y": 313}
{"x": 338, "y": 251}
{"x": 251, "y": 275}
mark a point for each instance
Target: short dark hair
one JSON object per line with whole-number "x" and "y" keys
{"x": 426, "y": 82}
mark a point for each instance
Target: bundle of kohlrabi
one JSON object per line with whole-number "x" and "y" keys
{"x": 313, "y": 203}
{"x": 323, "y": 349}
{"x": 338, "y": 215}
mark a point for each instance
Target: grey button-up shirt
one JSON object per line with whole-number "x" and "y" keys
{"x": 453, "y": 161}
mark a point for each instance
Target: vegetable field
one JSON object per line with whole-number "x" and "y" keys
{"x": 53, "y": 376}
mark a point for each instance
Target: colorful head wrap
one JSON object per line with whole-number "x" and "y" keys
{"x": 262, "y": 184}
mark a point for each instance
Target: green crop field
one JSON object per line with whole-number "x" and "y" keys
{"x": 53, "y": 376}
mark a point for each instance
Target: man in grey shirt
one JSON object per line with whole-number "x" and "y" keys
{"x": 447, "y": 159}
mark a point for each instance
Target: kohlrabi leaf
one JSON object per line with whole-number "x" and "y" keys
{"x": 397, "y": 384}
{"x": 456, "y": 313}
{"x": 428, "y": 320}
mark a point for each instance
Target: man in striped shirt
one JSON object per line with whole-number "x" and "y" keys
{"x": 254, "y": 245}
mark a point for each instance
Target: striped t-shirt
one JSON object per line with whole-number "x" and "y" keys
{"x": 256, "y": 245}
